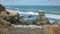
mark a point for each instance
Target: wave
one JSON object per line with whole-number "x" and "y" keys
{"x": 53, "y": 16}
{"x": 35, "y": 13}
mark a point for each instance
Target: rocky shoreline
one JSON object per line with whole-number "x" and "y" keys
{"x": 10, "y": 23}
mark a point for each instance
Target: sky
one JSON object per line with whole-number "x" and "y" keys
{"x": 31, "y": 2}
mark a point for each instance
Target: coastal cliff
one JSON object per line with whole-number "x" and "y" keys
{"x": 9, "y": 21}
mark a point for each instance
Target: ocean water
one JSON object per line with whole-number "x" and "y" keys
{"x": 52, "y": 12}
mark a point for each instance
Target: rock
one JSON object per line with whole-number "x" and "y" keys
{"x": 4, "y": 31}
{"x": 30, "y": 16}
{"x": 52, "y": 30}
{"x": 15, "y": 19}
{"x": 9, "y": 16}
{"x": 21, "y": 17}
{"x": 5, "y": 23}
{"x": 41, "y": 19}
{"x": 4, "y": 14}
{"x": 12, "y": 17}
{"x": 2, "y": 8}
{"x": 4, "y": 26}
{"x": 6, "y": 19}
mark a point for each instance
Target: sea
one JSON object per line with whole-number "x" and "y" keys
{"x": 52, "y": 13}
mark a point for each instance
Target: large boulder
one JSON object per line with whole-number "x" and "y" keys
{"x": 42, "y": 19}
{"x": 12, "y": 17}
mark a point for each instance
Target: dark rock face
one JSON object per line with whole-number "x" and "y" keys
{"x": 42, "y": 19}
{"x": 2, "y": 8}
{"x": 15, "y": 19}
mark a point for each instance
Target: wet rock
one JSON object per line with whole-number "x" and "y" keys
{"x": 30, "y": 16}
{"x": 21, "y": 17}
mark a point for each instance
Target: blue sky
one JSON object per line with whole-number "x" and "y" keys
{"x": 31, "y": 2}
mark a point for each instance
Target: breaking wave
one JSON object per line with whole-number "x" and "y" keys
{"x": 35, "y": 13}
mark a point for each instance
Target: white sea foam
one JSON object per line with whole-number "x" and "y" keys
{"x": 33, "y": 13}
{"x": 53, "y": 16}
{"x": 27, "y": 26}
{"x": 47, "y": 15}
{"x": 33, "y": 26}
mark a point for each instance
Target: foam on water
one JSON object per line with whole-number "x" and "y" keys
{"x": 47, "y": 15}
{"x": 52, "y": 16}
{"x": 33, "y": 13}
